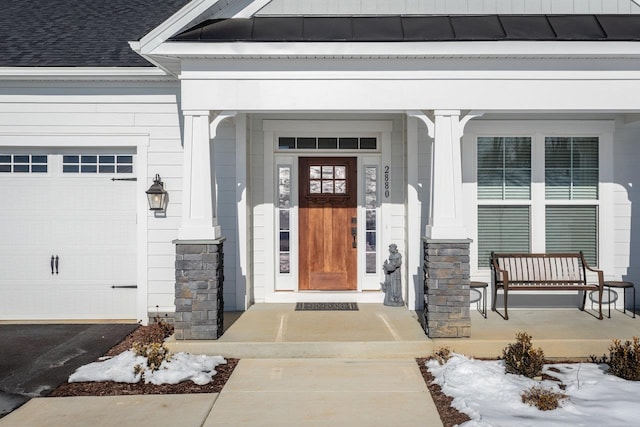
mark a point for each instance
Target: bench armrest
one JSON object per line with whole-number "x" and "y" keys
{"x": 500, "y": 275}
{"x": 599, "y": 272}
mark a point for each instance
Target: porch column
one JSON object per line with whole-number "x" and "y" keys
{"x": 199, "y": 247}
{"x": 446, "y": 246}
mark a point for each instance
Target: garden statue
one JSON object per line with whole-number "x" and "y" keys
{"x": 392, "y": 286}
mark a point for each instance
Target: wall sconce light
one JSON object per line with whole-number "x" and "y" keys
{"x": 157, "y": 195}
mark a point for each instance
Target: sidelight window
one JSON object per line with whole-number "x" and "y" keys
{"x": 371, "y": 227}
{"x": 284, "y": 216}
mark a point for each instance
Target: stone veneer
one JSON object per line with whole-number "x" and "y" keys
{"x": 446, "y": 288}
{"x": 199, "y": 279}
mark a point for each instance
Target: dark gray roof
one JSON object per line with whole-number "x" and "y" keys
{"x": 417, "y": 28}
{"x": 77, "y": 33}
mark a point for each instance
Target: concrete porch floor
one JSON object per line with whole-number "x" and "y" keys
{"x": 376, "y": 331}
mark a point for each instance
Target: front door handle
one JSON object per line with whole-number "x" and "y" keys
{"x": 354, "y": 232}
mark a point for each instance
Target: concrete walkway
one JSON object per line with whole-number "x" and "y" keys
{"x": 261, "y": 392}
{"x": 327, "y": 368}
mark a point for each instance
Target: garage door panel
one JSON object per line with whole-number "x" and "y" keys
{"x": 72, "y": 302}
{"x": 25, "y": 195}
{"x": 89, "y": 222}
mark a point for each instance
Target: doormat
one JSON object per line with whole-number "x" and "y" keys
{"x": 326, "y": 306}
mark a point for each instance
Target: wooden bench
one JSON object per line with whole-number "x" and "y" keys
{"x": 542, "y": 272}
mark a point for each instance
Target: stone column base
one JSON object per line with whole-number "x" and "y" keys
{"x": 199, "y": 284}
{"x": 446, "y": 288}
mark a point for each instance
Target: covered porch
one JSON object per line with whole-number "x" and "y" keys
{"x": 448, "y": 125}
{"x": 376, "y": 331}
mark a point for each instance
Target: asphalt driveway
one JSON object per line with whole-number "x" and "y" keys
{"x": 36, "y": 358}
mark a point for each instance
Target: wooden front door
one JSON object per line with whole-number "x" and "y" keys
{"x": 328, "y": 224}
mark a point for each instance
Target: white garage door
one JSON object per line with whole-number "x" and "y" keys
{"x": 67, "y": 244}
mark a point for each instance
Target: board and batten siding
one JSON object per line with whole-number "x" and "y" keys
{"x": 224, "y": 153}
{"x": 626, "y": 199}
{"x": 447, "y": 7}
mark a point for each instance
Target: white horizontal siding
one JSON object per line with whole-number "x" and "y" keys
{"x": 101, "y": 108}
{"x": 446, "y": 7}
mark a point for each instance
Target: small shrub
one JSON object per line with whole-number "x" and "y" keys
{"x": 599, "y": 359}
{"x": 624, "y": 359}
{"x": 155, "y": 353}
{"x": 442, "y": 355}
{"x": 156, "y": 332}
{"x": 543, "y": 398}
{"x": 521, "y": 358}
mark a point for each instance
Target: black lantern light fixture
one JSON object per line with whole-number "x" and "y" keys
{"x": 157, "y": 195}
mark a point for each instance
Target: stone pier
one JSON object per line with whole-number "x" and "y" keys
{"x": 199, "y": 288}
{"x": 446, "y": 288}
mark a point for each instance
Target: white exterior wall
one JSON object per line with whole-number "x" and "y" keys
{"x": 224, "y": 153}
{"x": 626, "y": 198}
{"x": 447, "y": 7}
{"x": 114, "y": 108}
{"x": 619, "y": 229}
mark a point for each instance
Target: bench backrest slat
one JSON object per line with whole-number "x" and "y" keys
{"x": 540, "y": 269}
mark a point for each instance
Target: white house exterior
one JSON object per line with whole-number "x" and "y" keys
{"x": 512, "y": 125}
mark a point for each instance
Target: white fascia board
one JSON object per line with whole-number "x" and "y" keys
{"x": 83, "y": 73}
{"x": 413, "y": 75}
{"x": 498, "y": 49}
{"x": 177, "y": 22}
{"x": 250, "y": 9}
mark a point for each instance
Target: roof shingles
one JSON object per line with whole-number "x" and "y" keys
{"x": 78, "y": 33}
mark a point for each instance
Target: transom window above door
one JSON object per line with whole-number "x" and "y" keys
{"x": 330, "y": 143}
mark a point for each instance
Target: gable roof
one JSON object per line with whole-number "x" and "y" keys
{"x": 417, "y": 28}
{"x": 78, "y": 33}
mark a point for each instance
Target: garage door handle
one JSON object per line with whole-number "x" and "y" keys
{"x": 52, "y": 261}
{"x": 57, "y": 259}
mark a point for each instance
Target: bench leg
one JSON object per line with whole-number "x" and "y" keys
{"x": 484, "y": 302}
{"x": 600, "y": 303}
{"x": 495, "y": 296}
{"x": 506, "y": 314}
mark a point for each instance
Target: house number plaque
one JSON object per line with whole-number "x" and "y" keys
{"x": 386, "y": 181}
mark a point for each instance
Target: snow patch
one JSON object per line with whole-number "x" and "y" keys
{"x": 490, "y": 397}
{"x": 121, "y": 368}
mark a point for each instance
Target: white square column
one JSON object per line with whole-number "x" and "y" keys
{"x": 446, "y": 220}
{"x": 198, "y": 204}
{"x": 446, "y": 128}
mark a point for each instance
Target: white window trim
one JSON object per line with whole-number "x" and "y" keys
{"x": 538, "y": 130}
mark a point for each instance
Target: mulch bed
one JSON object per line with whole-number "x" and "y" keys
{"x": 449, "y": 415}
{"x": 110, "y": 388}
{"x": 145, "y": 334}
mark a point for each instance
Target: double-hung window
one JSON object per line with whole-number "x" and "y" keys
{"x": 508, "y": 198}
{"x": 571, "y": 193}
{"x": 504, "y": 194}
